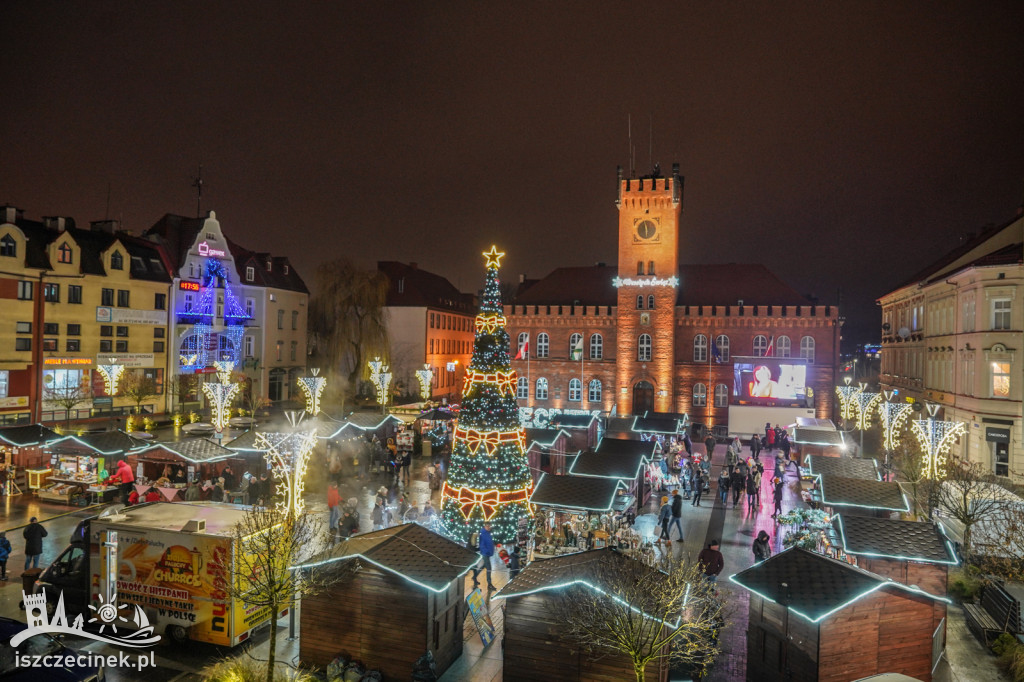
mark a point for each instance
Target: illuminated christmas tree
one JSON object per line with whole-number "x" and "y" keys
{"x": 489, "y": 479}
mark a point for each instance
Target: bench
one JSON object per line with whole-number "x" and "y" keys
{"x": 997, "y": 611}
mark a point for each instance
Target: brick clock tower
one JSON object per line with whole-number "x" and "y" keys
{"x": 648, "y": 284}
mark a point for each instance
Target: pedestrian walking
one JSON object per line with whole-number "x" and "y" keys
{"x": 712, "y": 561}
{"x": 33, "y": 534}
{"x": 762, "y": 547}
{"x": 664, "y": 516}
{"x": 755, "y": 446}
{"x": 756, "y": 473}
{"x": 513, "y": 563}
{"x": 738, "y": 484}
{"x": 777, "y": 498}
{"x": 407, "y": 467}
{"x": 723, "y": 486}
{"x": 377, "y": 516}
{"x": 5, "y": 552}
{"x": 698, "y": 490}
{"x": 677, "y": 514}
{"x": 751, "y": 490}
{"x": 709, "y": 445}
{"x": 485, "y": 547}
{"x": 769, "y": 437}
{"x": 333, "y": 507}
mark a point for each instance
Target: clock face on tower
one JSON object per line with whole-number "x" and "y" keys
{"x": 646, "y": 229}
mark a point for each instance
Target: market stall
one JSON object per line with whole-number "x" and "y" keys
{"x": 622, "y": 460}
{"x": 858, "y": 496}
{"x": 548, "y": 451}
{"x": 23, "y": 456}
{"x": 79, "y": 466}
{"x": 170, "y": 467}
{"x": 576, "y": 513}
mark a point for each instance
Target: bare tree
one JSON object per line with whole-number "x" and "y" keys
{"x": 271, "y": 543}
{"x": 138, "y": 388}
{"x": 182, "y": 387}
{"x": 622, "y": 606}
{"x": 968, "y": 494}
{"x": 346, "y": 321}
{"x": 68, "y": 396}
{"x": 908, "y": 462}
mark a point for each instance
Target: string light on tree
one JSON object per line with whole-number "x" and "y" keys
{"x": 426, "y": 377}
{"x": 489, "y": 478}
{"x": 288, "y": 453}
{"x": 313, "y": 387}
{"x": 936, "y": 438}
{"x": 111, "y": 375}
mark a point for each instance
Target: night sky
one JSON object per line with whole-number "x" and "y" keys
{"x": 845, "y": 145}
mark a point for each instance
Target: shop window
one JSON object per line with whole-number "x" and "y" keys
{"x": 5, "y": 382}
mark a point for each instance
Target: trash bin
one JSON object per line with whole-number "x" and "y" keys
{"x": 29, "y": 578}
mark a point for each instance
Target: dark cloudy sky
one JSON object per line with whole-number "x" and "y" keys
{"x": 845, "y": 144}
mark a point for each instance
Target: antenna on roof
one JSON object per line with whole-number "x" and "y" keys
{"x": 197, "y": 182}
{"x": 629, "y": 119}
{"x": 106, "y": 214}
{"x": 650, "y": 143}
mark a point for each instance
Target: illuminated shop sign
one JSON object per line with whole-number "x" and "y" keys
{"x": 540, "y": 417}
{"x": 67, "y": 361}
{"x": 650, "y": 282}
{"x": 205, "y": 250}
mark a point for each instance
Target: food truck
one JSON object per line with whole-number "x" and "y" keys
{"x": 171, "y": 559}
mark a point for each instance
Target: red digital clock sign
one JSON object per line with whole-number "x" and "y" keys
{"x": 188, "y": 286}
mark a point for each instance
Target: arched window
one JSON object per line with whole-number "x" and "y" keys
{"x": 596, "y": 347}
{"x": 542, "y": 389}
{"x": 650, "y": 302}
{"x": 575, "y": 390}
{"x": 640, "y": 302}
{"x": 639, "y": 267}
{"x": 8, "y": 247}
{"x": 576, "y": 347}
{"x": 643, "y": 348}
{"x": 760, "y": 345}
{"x": 700, "y": 395}
{"x": 700, "y": 348}
{"x": 807, "y": 348}
{"x": 523, "y": 388}
{"x": 783, "y": 346}
{"x": 542, "y": 345}
{"x": 722, "y": 341}
{"x": 594, "y": 393}
{"x": 721, "y": 395}
{"x": 650, "y": 267}
{"x": 116, "y": 261}
{"x": 523, "y": 340}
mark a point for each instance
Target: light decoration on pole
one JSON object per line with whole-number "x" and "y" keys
{"x": 846, "y": 393}
{"x": 111, "y": 375}
{"x": 221, "y": 394}
{"x": 865, "y": 402}
{"x": 313, "y": 387}
{"x": 425, "y": 376}
{"x": 893, "y": 417}
{"x": 287, "y": 454}
{"x": 489, "y": 477}
{"x": 936, "y": 438}
{"x": 380, "y": 376}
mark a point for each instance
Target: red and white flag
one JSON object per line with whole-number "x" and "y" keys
{"x": 771, "y": 346}
{"x": 524, "y": 351}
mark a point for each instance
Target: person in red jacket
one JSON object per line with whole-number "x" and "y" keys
{"x": 333, "y": 506}
{"x": 125, "y": 479}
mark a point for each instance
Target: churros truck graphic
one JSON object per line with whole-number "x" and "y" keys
{"x": 174, "y": 561}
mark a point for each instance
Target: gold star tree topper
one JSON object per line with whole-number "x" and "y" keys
{"x": 494, "y": 257}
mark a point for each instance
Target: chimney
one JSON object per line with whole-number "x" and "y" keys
{"x": 12, "y": 214}
{"x": 58, "y": 223}
{"x": 108, "y": 226}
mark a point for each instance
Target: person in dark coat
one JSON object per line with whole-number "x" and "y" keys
{"x": 738, "y": 483}
{"x": 514, "y": 563}
{"x": 755, "y": 446}
{"x": 777, "y": 499}
{"x": 712, "y": 561}
{"x": 33, "y": 534}
{"x": 762, "y": 547}
{"x": 486, "y": 549}
{"x": 723, "y": 486}
{"x": 751, "y": 484}
{"x": 709, "y": 445}
{"x": 5, "y": 552}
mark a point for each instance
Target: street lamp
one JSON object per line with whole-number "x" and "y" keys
{"x": 380, "y": 376}
{"x": 893, "y": 416}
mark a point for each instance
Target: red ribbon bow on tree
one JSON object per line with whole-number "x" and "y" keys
{"x": 486, "y": 500}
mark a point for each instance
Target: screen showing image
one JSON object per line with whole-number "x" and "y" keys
{"x": 764, "y": 380}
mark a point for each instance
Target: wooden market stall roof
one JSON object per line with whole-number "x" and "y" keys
{"x": 661, "y": 422}
{"x": 848, "y": 467}
{"x": 195, "y": 450}
{"x": 410, "y": 551}
{"x": 893, "y": 539}
{"x": 807, "y": 436}
{"x": 840, "y": 491}
{"x": 28, "y": 435}
{"x": 573, "y": 421}
{"x": 815, "y": 423}
{"x": 616, "y": 458}
{"x": 583, "y": 493}
{"x": 545, "y": 438}
{"x": 812, "y": 585}
{"x": 106, "y": 443}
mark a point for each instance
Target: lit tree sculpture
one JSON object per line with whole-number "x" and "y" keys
{"x": 936, "y": 438}
{"x": 425, "y": 376}
{"x": 489, "y": 479}
{"x": 221, "y": 394}
{"x": 313, "y": 387}
{"x": 380, "y": 376}
{"x": 287, "y": 453}
{"x": 111, "y": 375}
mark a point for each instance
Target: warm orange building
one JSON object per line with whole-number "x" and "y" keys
{"x": 653, "y": 334}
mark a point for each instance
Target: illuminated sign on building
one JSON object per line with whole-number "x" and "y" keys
{"x": 652, "y": 282}
{"x": 205, "y": 250}
{"x": 67, "y": 361}
{"x": 188, "y": 286}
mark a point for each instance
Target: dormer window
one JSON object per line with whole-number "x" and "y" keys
{"x": 65, "y": 253}
{"x": 286, "y": 269}
{"x": 8, "y": 247}
{"x": 250, "y": 273}
{"x": 116, "y": 261}
{"x": 270, "y": 264}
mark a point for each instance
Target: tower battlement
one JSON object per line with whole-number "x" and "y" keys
{"x": 653, "y": 189}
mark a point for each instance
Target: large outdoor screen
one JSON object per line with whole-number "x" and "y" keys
{"x": 767, "y": 381}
